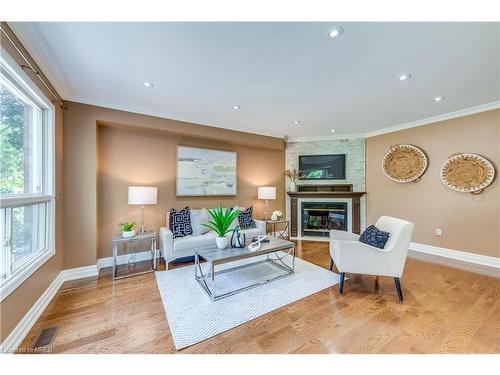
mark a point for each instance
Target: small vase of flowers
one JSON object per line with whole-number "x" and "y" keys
{"x": 276, "y": 215}
{"x": 127, "y": 229}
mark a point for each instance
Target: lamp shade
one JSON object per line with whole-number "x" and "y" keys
{"x": 142, "y": 195}
{"x": 267, "y": 192}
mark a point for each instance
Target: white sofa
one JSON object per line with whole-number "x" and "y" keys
{"x": 176, "y": 248}
{"x": 352, "y": 256}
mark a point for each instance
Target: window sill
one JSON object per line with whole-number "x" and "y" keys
{"x": 16, "y": 279}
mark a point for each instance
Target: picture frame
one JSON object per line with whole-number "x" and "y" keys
{"x": 205, "y": 172}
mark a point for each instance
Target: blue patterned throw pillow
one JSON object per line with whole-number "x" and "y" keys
{"x": 374, "y": 237}
{"x": 180, "y": 222}
{"x": 245, "y": 219}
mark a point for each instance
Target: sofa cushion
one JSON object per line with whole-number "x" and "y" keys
{"x": 251, "y": 232}
{"x": 374, "y": 237}
{"x": 194, "y": 242}
{"x": 245, "y": 218}
{"x": 198, "y": 218}
{"x": 180, "y": 222}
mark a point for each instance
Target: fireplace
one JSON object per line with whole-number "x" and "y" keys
{"x": 318, "y": 218}
{"x": 341, "y": 196}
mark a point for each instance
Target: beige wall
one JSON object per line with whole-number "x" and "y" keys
{"x": 17, "y": 304}
{"x": 108, "y": 150}
{"x": 134, "y": 157}
{"x": 469, "y": 223}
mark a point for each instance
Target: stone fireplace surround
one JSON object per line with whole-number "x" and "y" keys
{"x": 353, "y": 148}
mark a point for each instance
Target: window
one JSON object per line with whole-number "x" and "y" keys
{"x": 27, "y": 202}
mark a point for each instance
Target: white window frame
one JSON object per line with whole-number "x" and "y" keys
{"x": 20, "y": 80}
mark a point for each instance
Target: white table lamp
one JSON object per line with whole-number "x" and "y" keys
{"x": 267, "y": 192}
{"x": 142, "y": 195}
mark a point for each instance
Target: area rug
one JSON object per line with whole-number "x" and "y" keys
{"x": 192, "y": 317}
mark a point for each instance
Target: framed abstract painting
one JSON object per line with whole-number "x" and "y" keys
{"x": 205, "y": 172}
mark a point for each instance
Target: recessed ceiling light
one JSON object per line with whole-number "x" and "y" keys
{"x": 236, "y": 107}
{"x": 404, "y": 77}
{"x": 148, "y": 84}
{"x": 332, "y": 130}
{"x": 296, "y": 122}
{"x": 438, "y": 98}
{"x": 335, "y": 32}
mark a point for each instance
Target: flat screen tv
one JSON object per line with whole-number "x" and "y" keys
{"x": 322, "y": 167}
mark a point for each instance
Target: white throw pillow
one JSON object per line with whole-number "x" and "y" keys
{"x": 235, "y": 222}
{"x": 198, "y": 218}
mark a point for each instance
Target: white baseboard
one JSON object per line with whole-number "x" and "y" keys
{"x": 12, "y": 342}
{"x": 79, "y": 273}
{"x": 461, "y": 256}
{"x": 311, "y": 238}
{"x": 123, "y": 259}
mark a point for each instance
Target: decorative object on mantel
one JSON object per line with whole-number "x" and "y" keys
{"x": 127, "y": 229}
{"x": 293, "y": 175}
{"x": 142, "y": 195}
{"x": 266, "y": 193}
{"x": 238, "y": 239}
{"x": 276, "y": 215}
{"x": 404, "y": 163}
{"x": 467, "y": 173}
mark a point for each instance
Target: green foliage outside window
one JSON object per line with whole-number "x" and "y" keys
{"x": 11, "y": 143}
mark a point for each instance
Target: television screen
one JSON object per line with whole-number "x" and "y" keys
{"x": 322, "y": 167}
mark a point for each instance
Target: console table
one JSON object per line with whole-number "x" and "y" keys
{"x": 148, "y": 236}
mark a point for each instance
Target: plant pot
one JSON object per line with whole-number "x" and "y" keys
{"x": 128, "y": 234}
{"x": 222, "y": 242}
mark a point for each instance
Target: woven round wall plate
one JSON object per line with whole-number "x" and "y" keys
{"x": 404, "y": 163}
{"x": 468, "y": 173}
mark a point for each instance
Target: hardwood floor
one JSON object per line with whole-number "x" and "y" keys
{"x": 446, "y": 310}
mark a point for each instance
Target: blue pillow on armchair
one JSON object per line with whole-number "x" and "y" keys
{"x": 374, "y": 237}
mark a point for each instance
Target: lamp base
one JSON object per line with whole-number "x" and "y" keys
{"x": 266, "y": 209}
{"x": 143, "y": 227}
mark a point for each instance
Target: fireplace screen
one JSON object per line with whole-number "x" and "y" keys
{"x": 318, "y": 218}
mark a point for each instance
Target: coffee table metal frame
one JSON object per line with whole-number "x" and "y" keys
{"x": 276, "y": 251}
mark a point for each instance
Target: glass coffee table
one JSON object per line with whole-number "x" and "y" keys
{"x": 277, "y": 256}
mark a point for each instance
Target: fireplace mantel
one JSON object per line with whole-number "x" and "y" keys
{"x": 354, "y": 195}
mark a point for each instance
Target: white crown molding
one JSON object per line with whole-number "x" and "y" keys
{"x": 408, "y": 125}
{"x": 433, "y": 119}
{"x": 141, "y": 111}
{"x": 325, "y": 138}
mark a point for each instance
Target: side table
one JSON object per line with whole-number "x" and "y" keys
{"x": 151, "y": 236}
{"x": 273, "y": 228}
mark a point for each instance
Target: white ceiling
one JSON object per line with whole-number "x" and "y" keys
{"x": 276, "y": 72}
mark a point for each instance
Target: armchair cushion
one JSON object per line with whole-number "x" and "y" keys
{"x": 374, "y": 237}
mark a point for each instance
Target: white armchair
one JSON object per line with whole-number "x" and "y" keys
{"x": 352, "y": 256}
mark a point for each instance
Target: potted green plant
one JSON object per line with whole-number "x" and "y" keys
{"x": 221, "y": 223}
{"x": 127, "y": 229}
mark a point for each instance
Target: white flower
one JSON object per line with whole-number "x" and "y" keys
{"x": 277, "y": 214}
